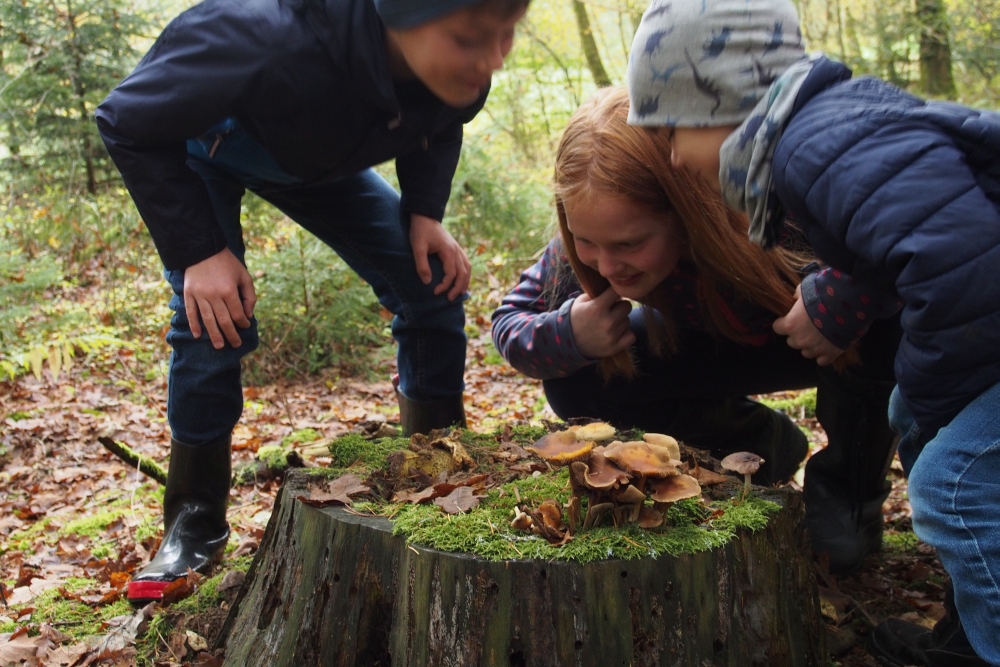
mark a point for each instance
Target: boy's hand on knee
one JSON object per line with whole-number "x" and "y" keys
{"x": 803, "y": 334}
{"x": 601, "y": 325}
{"x": 429, "y": 237}
{"x": 220, "y": 291}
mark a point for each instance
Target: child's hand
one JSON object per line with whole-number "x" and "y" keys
{"x": 600, "y": 325}
{"x": 803, "y": 334}
{"x": 220, "y": 289}
{"x": 429, "y": 237}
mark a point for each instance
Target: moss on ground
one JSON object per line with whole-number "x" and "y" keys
{"x": 802, "y": 404}
{"x": 77, "y": 619}
{"x": 301, "y": 437}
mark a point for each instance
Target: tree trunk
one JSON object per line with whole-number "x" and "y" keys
{"x": 329, "y": 587}
{"x": 590, "y": 51}
{"x": 935, "y": 51}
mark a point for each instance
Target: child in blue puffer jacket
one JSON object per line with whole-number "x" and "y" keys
{"x": 903, "y": 196}
{"x": 633, "y": 226}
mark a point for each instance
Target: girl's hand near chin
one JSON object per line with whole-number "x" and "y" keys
{"x": 600, "y": 325}
{"x": 803, "y": 334}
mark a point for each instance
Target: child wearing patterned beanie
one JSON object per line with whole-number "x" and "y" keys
{"x": 900, "y": 199}
{"x": 296, "y": 100}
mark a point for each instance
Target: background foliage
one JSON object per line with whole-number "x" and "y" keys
{"x": 75, "y": 261}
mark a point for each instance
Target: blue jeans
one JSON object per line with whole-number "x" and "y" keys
{"x": 359, "y": 217}
{"x": 954, "y": 485}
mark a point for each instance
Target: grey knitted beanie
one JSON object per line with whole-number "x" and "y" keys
{"x": 403, "y": 14}
{"x": 702, "y": 63}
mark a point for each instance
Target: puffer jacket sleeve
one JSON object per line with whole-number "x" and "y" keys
{"x": 842, "y": 308}
{"x": 192, "y": 77}
{"x": 882, "y": 181}
{"x": 425, "y": 173}
{"x": 533, "y": 339}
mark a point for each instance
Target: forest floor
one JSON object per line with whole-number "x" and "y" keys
{"x": 75, "y": 520}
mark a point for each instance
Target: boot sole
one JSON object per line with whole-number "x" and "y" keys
{"x": 141, "y": 593}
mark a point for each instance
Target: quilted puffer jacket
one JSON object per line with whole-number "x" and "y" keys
{"x": 904, "y": 195}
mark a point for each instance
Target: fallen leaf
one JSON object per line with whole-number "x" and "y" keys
{"x": 21, "y": 648}
{"x": 707, "y": 477}
{"x": 415, "y": 497}
{"x": 336, "y": 492}
{"x": 458, "y": 501}
{"x": 182, "y": 588}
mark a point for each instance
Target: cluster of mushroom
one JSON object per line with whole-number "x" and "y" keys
{"x": 615, "y": 478}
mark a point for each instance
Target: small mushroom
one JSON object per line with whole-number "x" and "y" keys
{"x": 633, "y": 498}
{"x": 597, "y": 431}
{"x": 595, "y": 513}
{"x": 650, "y": 518}
{"x": 561, "y": 447}
{"x": 573, "y": 514}
{"x": 744, "y": 463}
{"x": 521, "y": 520}
{"x": 674, "y": 488}
{"x": 602, "y": 473}
{"x": 641, "y": 458}
{"x": 664, "y": 441}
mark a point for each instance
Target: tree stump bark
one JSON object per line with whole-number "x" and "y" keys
{"x": 332, "y": 588}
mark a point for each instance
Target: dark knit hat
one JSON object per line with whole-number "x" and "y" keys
{"x": 403, "y": 14}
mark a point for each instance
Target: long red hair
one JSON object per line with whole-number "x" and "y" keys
{"x": 601, "y": 153}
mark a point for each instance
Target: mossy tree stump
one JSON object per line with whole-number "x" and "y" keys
{"x": 329, "y": 587}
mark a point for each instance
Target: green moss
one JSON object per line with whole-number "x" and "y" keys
{"x": 273, "y": 457}
{"x": 486, "y": 532}
{"x": 75, "y": 618}
{"x": 802, "y": 403}
{"x": 354, "y": 449}
{"x": 7, "y": 625}
{"x": 93, "y": 526}
{"x": 301, "y": 436}
{"x": 18, "y": 415}
{"x": 899, "y": 541}
{"x": 22, "y": 540}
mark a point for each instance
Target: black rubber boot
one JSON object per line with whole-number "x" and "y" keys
{"x": 896, "y": 643}
{"x": 845, "y": 483}
{"x": 194, "y": 517}
{"x": 743, "y": 425}
{"x": 425, "y": 416}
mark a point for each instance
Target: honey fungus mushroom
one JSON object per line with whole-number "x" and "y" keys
{"x": 596, "y": 431}
{"x": 674, "y": 488}
{"x": 561, "y": 448}
{"x": 641, "y": 458}
{"x": 661, "y": 440}
{"x": 744, "y": 463}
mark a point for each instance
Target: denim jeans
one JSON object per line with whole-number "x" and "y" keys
{"x": 359, "y": 217}
{"x": 954, "y": 487}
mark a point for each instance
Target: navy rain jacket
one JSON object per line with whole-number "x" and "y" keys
{"x": 308, "y": 79}
{"x": 904, "y": 195}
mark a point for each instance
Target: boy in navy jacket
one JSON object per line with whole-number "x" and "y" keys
{"x": 296, "y": 100}
{"x": 902, "y": 196}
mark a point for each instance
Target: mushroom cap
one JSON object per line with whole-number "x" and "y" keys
{"x": 601, "y": 472}
{"x": 667, "y": 441}
{"x": 641, "y": 458}
{"x": 630, "y": 495}
{"x": 551, "y": 514}
{"x": 672, "y": 489}
{"x": 561, "y": 447}
{"x": 650, "y": 518}
{"x": 521, "y": 520}
{"x": 745, "y": 463}
{"x": 597, "y": 431}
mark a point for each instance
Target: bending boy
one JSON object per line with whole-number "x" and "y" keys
{"x": 900, "y": 197}
{"x": 295, "y": 100}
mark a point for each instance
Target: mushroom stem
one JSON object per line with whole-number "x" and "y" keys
{"x": 746, "y": 486}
